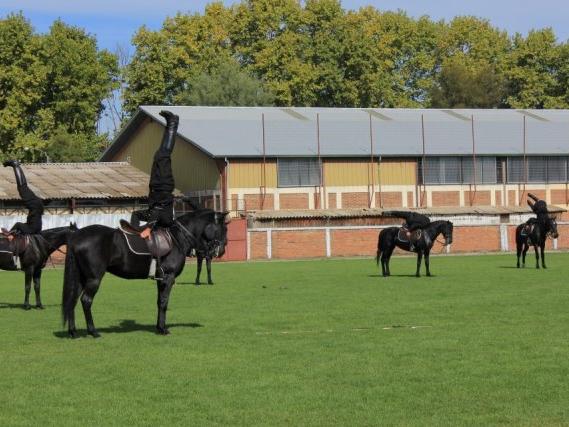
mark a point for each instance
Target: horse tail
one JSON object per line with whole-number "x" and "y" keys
{"x": 71, "y": 285}
{"x": 378, "y": 254}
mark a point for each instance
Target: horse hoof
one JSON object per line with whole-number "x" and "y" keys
{"x": 40, "y": 306}
{"x": 210, "y": 283}
{"x": 197, "y": 283}
{"x": 94, "y": 334}
{"x": 163, "y": 331}
{"x": 27, "y": 307}
{"x": 73, "y": 335}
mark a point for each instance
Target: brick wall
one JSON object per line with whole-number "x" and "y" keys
{"x": 258, "y": 244}
{"x": 294, "y": 201}
{"x": 559, "y": 197}
{"x": 298, "y": 244}
{"x": 353, "y": 242}
{"x": 332, "y": 201}
{"x": 482, "y": 198}
{"x": 307, "y": 243}
{"x": 256, "y": 202}
{"x": 355, "y": 200}
{"x": 446, "y": 198}
{"x": 389, "y": 199}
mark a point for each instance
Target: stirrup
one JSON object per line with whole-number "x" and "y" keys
{"x": 155, "y": 269}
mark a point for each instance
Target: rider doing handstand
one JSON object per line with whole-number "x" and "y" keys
{"x": 33, "y": 203}
{"x": 160, "y": 212}
{"x": 413, "y": 221}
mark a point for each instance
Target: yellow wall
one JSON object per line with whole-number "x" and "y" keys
{"x": 398, "y": 172}
{"x": 346, "y": 172}
{"x": 248, "y": 173}
{"x": 354, "y": 172}
{"x": 192, "y": 169}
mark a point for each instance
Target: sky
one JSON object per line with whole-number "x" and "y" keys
{"x": 114, "y": 22}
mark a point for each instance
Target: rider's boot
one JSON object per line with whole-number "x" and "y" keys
{"x": 169, "y": 138}
{"x": 18, "y": 172}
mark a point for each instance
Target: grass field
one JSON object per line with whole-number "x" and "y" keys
{"x": 325, "y": 342}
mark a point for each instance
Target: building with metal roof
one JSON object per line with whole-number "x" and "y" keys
{"x": 258, "y": 158}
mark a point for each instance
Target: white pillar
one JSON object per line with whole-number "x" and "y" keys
{"x": 504, "y": 237}
{"x": 269, "y": 244}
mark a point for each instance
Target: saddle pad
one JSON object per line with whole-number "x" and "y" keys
{"x": 527, "y": 230}
{"x": 135, "y": 243}
{"x": 402, "y": 235}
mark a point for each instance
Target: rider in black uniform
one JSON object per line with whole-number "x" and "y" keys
{"x": 33, "y": 203}
{"x": 160, "y": 212}
{"x": 413, "y": 221}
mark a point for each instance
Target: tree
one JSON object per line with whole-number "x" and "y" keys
{"x": 226, "y": 85}
{"x": 459, "y": 86}
{"x": 536, "y": 74}
{"x": 49, "y": 82}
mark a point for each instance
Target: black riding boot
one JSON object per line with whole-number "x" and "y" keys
{"x": 169, "y": 138}
{"x": 18, "y": 172}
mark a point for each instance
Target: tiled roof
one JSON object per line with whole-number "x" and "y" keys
{"x": 95, "y": 180}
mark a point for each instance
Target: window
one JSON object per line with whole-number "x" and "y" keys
{"x": 540, "y": 169}
{"x": 516, "y": 169}
{"x": 537, "y": 169}
{"x": 557, "y": 169}
{"x": 458, "y": 170}
{"x": 485, "y": 170}
{"x": 298, "y": 172}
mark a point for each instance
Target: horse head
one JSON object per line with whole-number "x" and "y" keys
{"x": 552, "y": 227}
{"x": 215, "y": 233}
{"x": 447, "y": 232}
{"x": 208, "y": 229}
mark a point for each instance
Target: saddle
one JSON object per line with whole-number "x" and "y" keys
{"x": 158, "y": 245}
{"x": 19, "y": 244}
{"x": 527, "y": 229}
{"x": 402, "y": 235}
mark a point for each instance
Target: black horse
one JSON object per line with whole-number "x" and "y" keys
{"x": 34, "y": 257}
{"x": 207, "y": 248}
{"x": 535, "y": 232}
{"x": 96, "y": 249}
{"x": 390, "y": 237}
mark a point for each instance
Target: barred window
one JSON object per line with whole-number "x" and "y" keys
{"x": 557, "y": 169}
{"x": 458, "y": 170}
{"x": 516, "y": 169}
{"x": 485, "y": 170}
{"x": 298, "y": 172}
{"x": 540, "y": 169}
{"x": 537, "y": 169}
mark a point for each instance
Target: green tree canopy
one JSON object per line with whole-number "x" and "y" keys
{"x": 49, "y": 83}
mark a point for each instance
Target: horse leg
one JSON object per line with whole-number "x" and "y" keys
{"x": 208, "y": 266}
{"x": 385, "y": 258}
{"x": 37, "y": 284}
{"x": 164, "y": 288}
{"x": 427, "y": 253}
{"x": 27, "y": 287}
{"x": 525, "y": 251}
{"x": 542, "y": 248}
{"x": 199, "y": 272}
{"x": 536, "y": 256}
{"x": 89, "y": 292}
{"x": 419, "y": 257}
{"x": 519, "y": 253}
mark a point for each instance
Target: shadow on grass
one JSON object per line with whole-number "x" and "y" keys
{"x": 128, "y": 325}
{"x": 401, "y": 275}
{"x": 511, "y": 267}
{"x": 11, "y": 306}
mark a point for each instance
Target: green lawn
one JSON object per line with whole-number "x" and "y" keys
{"x": 325, "y": 342}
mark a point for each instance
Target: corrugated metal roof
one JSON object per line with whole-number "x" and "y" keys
{"x": 77, "y": 180}
{"x": 376, "y": 212}
{"x": 238, "y": 131}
